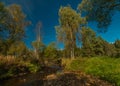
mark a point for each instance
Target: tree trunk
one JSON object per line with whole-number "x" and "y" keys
{"x": 72, "y": 45}
{"x": 72, "y": 53}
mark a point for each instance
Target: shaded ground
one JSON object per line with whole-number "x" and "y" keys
{"x": 49, "y": 77}
{"x": 74, "y": 79}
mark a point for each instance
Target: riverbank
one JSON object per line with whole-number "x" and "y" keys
{"x": 94, "y": 71}
{"x": 15, "y": 67}
{"x": 65, "y": 78}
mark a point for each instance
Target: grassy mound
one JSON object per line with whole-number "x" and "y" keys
{"x": 103, "y": 67}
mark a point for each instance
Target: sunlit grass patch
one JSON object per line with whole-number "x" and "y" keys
{"x": 103, "y": 67}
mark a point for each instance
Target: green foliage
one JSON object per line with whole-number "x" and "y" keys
{"x": 3, "y": 47}
{"x": 39, "y": 47}
{"x": 104, "y": 67}
{"x": 17, "y": 49}
{"x": 117, "y": 44}
{"x": 51, "y": 51}
{"x": 10, "y": 67}
{"x": 74, "y": 65}
{"x": 88, "y": 37}
{"x": 16, "y": 23}
{"x": 33, "y": 68}
{"x": 99, "y": 11}
{"x": 12, "y": 28}
{"x": 70, "y": 23}
{"x": 3, "y": 15}
{"x": 93, "y": 45}
{"x": 117, "y": 47}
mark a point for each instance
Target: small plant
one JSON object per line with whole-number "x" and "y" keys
{"x": 33, "y": 68}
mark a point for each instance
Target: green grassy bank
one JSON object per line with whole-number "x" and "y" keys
{"x": 103, "y": 67}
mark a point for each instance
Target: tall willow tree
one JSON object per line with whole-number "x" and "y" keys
{"x": 68, "y": 30}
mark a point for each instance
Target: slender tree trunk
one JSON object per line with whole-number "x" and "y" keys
{"x": 73, "y": 53}
{"x": 72, "y": 46}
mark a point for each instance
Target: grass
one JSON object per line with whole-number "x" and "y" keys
{"x": 103, "y": 67}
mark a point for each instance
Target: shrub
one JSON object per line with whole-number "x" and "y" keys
{"x": 10, "y": 67}
{"x": 33, "y": 68}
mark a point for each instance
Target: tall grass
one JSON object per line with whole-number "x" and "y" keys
{"x": 11, "y": 66}
{"x": 7, "y": 59}
{"x": 103, "y": 67}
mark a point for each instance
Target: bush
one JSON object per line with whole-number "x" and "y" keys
{"x": 33, "y": 68}
{"x": 10, "y": 68}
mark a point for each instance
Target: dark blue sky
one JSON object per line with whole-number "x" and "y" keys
{"x": 46, "y": 11}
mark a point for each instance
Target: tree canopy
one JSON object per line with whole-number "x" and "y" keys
{"x": 99, "y": 11}
{"x": 68, "y": 31}
{"x": 12, "y": 25}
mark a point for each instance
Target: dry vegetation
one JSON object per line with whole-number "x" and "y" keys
{"x": 73, "y": 79}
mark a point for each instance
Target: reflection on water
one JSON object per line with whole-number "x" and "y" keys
{"x": 31, "y": 79}
{"x": 27, "y": 80}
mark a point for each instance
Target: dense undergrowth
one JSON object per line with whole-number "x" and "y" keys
{"x": 12, "y": 67}
{"x": 103, "y": 67}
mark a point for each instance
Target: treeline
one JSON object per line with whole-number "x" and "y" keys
{"x": 72, "y": 31}
{"x": 93, "y": 45}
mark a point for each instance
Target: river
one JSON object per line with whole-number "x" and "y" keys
{"x": 36, "y": 79}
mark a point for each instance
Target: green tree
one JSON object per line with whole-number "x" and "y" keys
{"x": 93, "y": 45}
{"x": 88, "y": 37}
{"x": 16, "y": 22}
{"x": 68, "y": 30}
{"x": 109, "y": 49}
{"x": 39, "y": 48}
{"x": 12, "y": 25}
{"x": 100, "y": 11}
{"x": 17, "y": 49}
{"x": 99, "y": 46}
{"x": 3, "y": 15}
{"x": 51, "y": 51}
{"x": 3, "y": 47}
{"x": 117, "y": 47}
{"x": 117, "y": 43}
